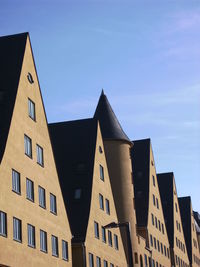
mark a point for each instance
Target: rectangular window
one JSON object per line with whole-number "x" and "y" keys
{"x": 53, "y": 207}
{"x": 3, "y": 223}
{"x": 151, "y": 240}
{"x": 155, "y": 246}
{"x": 116, "y": 242}
{"x": 157, "y": 203}
{"x": 98, "y": 261}
{"x": 156, "y": 221}
{"x": 158, "y": 245}
{"x": 16, "y": 185}
{"x": 31, "y": 235}
{"x": 40, "y": 156}
{"x": 31, "y": 109}
{"x": 109, "y": 238}
{"x": 28, "y": 146}
{"x": 107, "y": 206}
{"x": 162, "y": 228}
{"x": 77, "y": 193}
{"x": 91, "y": 260}
{"x": 145, "y": 260}
{"x": 159, "y": 226}
{"x": 103, "y": 231}
{"x": 96, "y": 229}
{"x": 152, "y": 218}
{"x": 105, "y": 263}
{"x": 42, "y": 198}
{"x": 54, "y": 243}
{"x": 154, "y": 183}
{"x": 154, "y": 200}
{"x": 43, "y": 241}
{"x": 17, "y": 229}
{"x": 65, "y": 250}
{"x": 161, "y": 247}
{"x": 111, "y": 265}
{"x": 29, "y": 189}
{"x": 101, "y": 204}
{"x": 101, "y": 172}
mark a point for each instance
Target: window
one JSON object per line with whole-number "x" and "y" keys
{"x": 28, "y": 146}
{"x": 176, "y": 207}
{"x": 91, "y": 260}
{"x": 64, "y": 250}
{"x": 17, "y": 230}
{"x": 98, "y": 261}
{"x": 105, "y": 263}
{"x": 154, "y": 242}
{"x": 145, "y": 260}
{"x": 29, "y": 189}
{"x": 53, "y": 207}
{"x": 116, "y": 242}
{"x": 43, "y": 241}
{"x": 77, "y": 193}
{"x": 165, "y": 251}
{"x": 136, "y": 257}
{"x": 159, "y": 226}
{"x": 156, "y": 221}
{"x": 40, "y": 156}
{"x": 96, "y": 229}
{"x": 42, "y": 198}
{"x": 54, "y": 243}
{"x": 107, "y": 206}
{"x": 101, "y": 204}
{"x": 154, "y": 200}
{"x": 111, "y": 265}
{"x": 157, "y": 204}
{"x": 31, "y": 235}
{"x": 158, "y": 244}
{"x": 16, "y": 187}
{"x": 162, "y": 228}
{"x": 154, "y": 183}
{"x": 101, "y": 172}
{"x": 152, "y": 218}
{"x": 30, "y": 78}
{"x": 103, "y": 231}
{"x": 151, "y": 240}
{"x": 31, "y": 109}
{"x": 3, "y": 223}
{"x": 109, "y": 238}
{"x": 161, "y": 247}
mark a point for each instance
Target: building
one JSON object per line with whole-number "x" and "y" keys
{"x": 169, "y": 198}
{"x": 149, "y": 213}
{"x": 189, "y": 230}
{"x": 197, "y": 224}
{"x": 82, "y": 168}
{"x": 34, "y": 228}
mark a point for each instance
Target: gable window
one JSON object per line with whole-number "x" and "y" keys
{"x": 42, "y": 198}
{"x": 101, "y": 170}
{"x": 101, "y": 204}
{"x": 96, "y": 229}
{"x": 29, "y": 189}
{"x": 28, "y": 146}
{"x": 109, "y": 238}
{"x": 162, "y": 228}
{"x": 3, "y": 223}
{"x": 31, "y": 235}
{"x": 54, "y": 243}
{"x": 91, "y": 260}
{"x": 98, "y": 261}
{"x": 154, "y": 242}
{"x": 16, "y": 187}
{"x": 53, "y": 207}
{"x": 157, "y": 204}
{"x": 103, "y": 231}
{"x": 158, "y": 245}
{"x": 65, "y": 250}
{"x": 40, "y": 156}
{"x": 17, "y": 230}
{"x": 105, "y": 263}
{"x": 116, "y": 242}
{"x": 77, "y": 193}
{"x": 154, "y": 182}
{"x": 154, "y": 200}
{"x": 151, "y": 240}
{"x": 43, "y": 241}
{"x": 152, "y": 218}
{"x": 31, "y": 109}
{"x": 107, "y": 206}
{"x": 156, "y": 221}
{"x": 30, "y": 78}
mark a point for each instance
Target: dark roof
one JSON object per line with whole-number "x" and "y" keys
{"x": 74, "y": 145}
{"x": 185, "y": 210}
{"x": 140, "y": 156}
{"x": 165, "y": 184}
{"x": 11, "y": 57}
{"x": 109, "y": 124}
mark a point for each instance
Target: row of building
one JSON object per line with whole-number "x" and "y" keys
{"x": 81, "y": 193}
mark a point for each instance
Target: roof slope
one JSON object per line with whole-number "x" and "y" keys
{"x": 12, "y": 50}
{"x": 74, "y": 145}
{"x": 185, "y": 210}
{"x": 165, "y": 183}
{"x": 140, "y": 156}
{"x": 110, "y": 126}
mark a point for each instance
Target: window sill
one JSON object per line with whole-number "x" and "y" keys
{"x": 16, "y": 192}
{"x": 54, "y": 255}
{"x": 31, "y": 246}
{"x": 44, "y": 251}
{"x": 42, "y": 207}
{"x": 17, "y": 240}
{"x": 54, "y": 213}
{"x": 31, "y": 200}
{"x": 29, "y": 156}
{"x": 4, "y": 235}
{"x": 41, "y": 165}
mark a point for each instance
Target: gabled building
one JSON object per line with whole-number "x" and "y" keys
{"x": 34, "y": 228}
{"x": 170, "y": 205}
{"x": 189, "y": 230}
{"x": 149, "y": 213}
{"x": 81, "y": 164}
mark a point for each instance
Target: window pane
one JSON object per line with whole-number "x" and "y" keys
{"x": 107, "y": 206}
{"x": 31, "y": 235}
{"x": 29, "y": 189}
{"x": 3, "y": 223}
{"x": 116, "y": 242}
{"x": 96, "y": 229}
{"x": 31, "y": 109}
{"x": 17, "y": 234}
{"x": 98, "y": 260}
{"x": 42, "y": 199}
{"x": 40, "y": 157}
{"x": 53, "y": 207}
{"x": 105, "y": 263}
{"x": 28, "y": 146}
{"x": 109, "y": 238}
{"x": 101, "y": 172}
{"x": 101, "y": 202}
{"x": 54, "y": 241}
{"x": 64, "y": 250}
{"x": 43, "y": 241}
{"x": 103, "y": 230}
{"x": 77, "y": 193}
{"x": 16, "y": 182}
{"x": 91, "y": 260}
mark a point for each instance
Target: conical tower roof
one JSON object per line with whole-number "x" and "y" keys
{"x": 110, "y": 126}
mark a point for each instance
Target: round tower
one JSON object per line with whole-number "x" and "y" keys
{"x": 117, "y": 151}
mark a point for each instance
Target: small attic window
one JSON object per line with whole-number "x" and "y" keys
{"x": 100, "y": 150}
{"x": 77, "y": 193}
{"x": 30, "y": 78}
{"x": 152, "y": 163}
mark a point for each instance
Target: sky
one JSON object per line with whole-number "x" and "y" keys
{"x": 144, "y": 54}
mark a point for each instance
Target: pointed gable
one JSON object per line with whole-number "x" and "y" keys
{"x": 11, "y": 57}
{"x": 110, "y": 126}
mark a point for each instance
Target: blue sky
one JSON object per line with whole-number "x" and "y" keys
{"x": 146, "y": 56}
